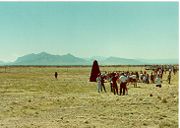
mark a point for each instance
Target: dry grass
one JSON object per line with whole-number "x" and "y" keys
{"x": 31, "y": 98}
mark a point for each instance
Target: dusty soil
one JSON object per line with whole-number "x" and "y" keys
{"x": 31, "y": 98}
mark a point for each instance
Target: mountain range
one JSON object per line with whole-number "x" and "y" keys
{"x": 44, "y": 58}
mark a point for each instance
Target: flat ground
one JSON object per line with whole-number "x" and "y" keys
{"x": 31, "y": 97}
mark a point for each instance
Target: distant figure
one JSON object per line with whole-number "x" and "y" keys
{"x": 133, "y": 79}
{"x": 152, "y": 77}
{"x": 158, "y": 81}
{"x": 144, "y": 78}
{"x": 137, "y": 76}
{"x": 147, "y": 79}
{"x": 114, "y": 84}
{"x": 169, "y": 78}
{"x": 111, "y": 83}
{"x": 174, "y": 70}
{"x": 99, "y": 85}
{"x": 102, "y": 83}
{"x": 94, "y": 71}
{"x": 141, "y": 76}
{"x": 170, "y": 70}
{"x": 123, "y": 82}
{"x": 56, "y": 75}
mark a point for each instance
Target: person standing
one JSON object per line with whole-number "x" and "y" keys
{"x": 158, "y": 81}
{"x": 123, "y": 82}
{"x": 141, "y": 76}
{"x": 56, "y": 75}
{"x": 114, "y": 84}
{"x": 152, "y": 77}
{"x": 111, "y": 83}
{"x": 98, "y": 79}
{"x": 147, "y": 79}
{"x": 137, "y": 76}
{"x": 102, "y": 83}
{"x": 169, "y": 78}
{"x": 170, "y": 70}
{"x": 174, "y": 70}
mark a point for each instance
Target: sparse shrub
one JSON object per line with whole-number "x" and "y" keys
{"x": 78, "y": 102}
{"x": 164, "y": 125}
{"x": 159, "y": 97}
{"x": 140, "y": 99}
{"x": 86, "y": 122}
{"x": 164, "y": 100}
{"x": 145, "y": 124}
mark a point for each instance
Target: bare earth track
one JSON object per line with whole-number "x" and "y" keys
{"x": 31, "y": 98}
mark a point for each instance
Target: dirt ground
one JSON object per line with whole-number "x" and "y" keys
{"x": 31, "y": 98}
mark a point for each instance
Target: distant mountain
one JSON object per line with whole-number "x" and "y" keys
{"x": 160, "y": 61}
{"x": 98, "y": 58}
{"x": 2, "y": 62}
{"x": 120, "y": 61}
{"x": 44, "y": 58}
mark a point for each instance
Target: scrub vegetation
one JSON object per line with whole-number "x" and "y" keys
{"x": 31, "y": 97}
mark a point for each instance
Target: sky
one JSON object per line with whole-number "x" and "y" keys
{"x": 148, "y": 30}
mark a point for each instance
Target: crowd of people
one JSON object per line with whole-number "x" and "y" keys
{"x": 124, "y": 78}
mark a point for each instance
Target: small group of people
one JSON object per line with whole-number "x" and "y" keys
{"x": 100, "y": 80}
{"x": 113, "y": 79}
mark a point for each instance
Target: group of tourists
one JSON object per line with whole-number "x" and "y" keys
{"x": 113, "y": 78}
{"x": 123, "y": 78}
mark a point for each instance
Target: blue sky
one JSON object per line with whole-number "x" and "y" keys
{"x": 146, "y": 30}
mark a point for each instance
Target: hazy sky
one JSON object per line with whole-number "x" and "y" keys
{"x": 123, "y": 29}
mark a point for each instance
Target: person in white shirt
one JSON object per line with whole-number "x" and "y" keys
{"x": 123, "y": 81}
{"x": 158, "y": 81}
{"x": 133, "y": 79}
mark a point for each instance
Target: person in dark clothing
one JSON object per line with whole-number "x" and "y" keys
{"x": 169, "y": 78}
{"x": 137, "y": 76}
{"x": 147, "y": 79}
{"x": 152, "y": 78}
{"x": 111, "y": 84}
{"x": 56, "y": 75}
{"x": 174, "y": 71}
{"x": 102, "y": 83}
{"x": 114, "y": 85}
